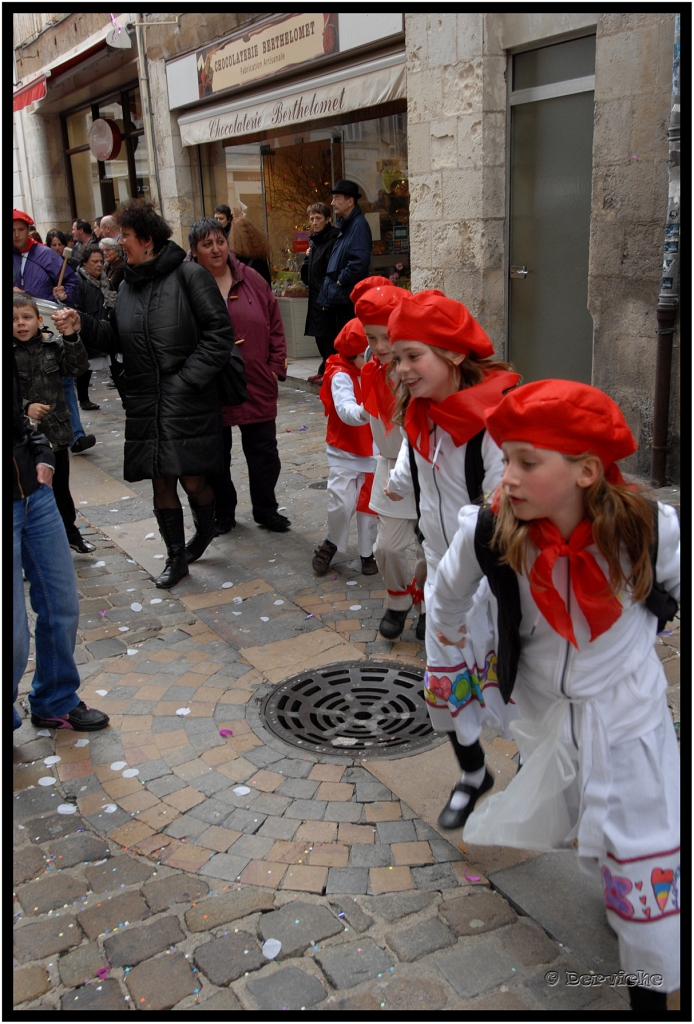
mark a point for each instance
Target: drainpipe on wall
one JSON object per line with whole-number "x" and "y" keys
{"x": 668, "y": 299}
{"x": 145, "y": 96}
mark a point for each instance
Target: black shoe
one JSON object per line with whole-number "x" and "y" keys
{"x": 368, "y": 565}
{"x": 203, "y": 517}
{"x": 448, "y": 818}
{"x": 88, "y": 406}
{"x": 223, "y": 524}
{"x": 110, "y": 384}
{"x": 421, "y": 627}
{"x": 81, "y": 718}
{"x": 170, "y": 522}
{"x": 392, "y": 623}
{"x": 322, "y": 557}
{"x": 81, "y": 444}
{"x": 79, "y": 544}
{"x": 277, "y": 523}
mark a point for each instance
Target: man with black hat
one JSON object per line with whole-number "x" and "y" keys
{"x": 351, "y": 255}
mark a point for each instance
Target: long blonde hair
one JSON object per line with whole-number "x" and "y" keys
{"x": 622, "y": 519}
{"x": 471, "y": 371}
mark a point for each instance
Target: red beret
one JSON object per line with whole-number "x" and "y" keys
{"x": 563, "y": 416}
{"x": 434, "y": 319}
{"x": 21, "y": 215}
{"x": 351, "y": 340}
{"x": 374, "y": 300}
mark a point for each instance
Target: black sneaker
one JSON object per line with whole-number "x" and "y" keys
{"x": 223, "y": 524}
{"x": 392, "y": 623}
{"x": 277, "y": 523}
{"x": 81, "y": 718}
{"x": 88, "y": 406}
{"x": 82, "y": 443}
{"x": 83, "y": 546}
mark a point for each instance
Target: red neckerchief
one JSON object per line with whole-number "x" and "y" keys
{"x": 337, "y": 364}
{"x": 30, "y": 242}
{"x": 461, "y": 415}
{"x": 379, "y": 399}
{"x": 593, "y": 593}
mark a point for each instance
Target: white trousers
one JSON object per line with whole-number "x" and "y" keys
{"x": 394, "y": 538}
{"x": 344, "y": 485}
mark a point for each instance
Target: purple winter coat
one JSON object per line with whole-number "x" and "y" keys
{"x": 41, "y": 273}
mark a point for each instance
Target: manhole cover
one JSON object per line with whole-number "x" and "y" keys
{"x": 320, "y": 485}
{"x": 365, "y": 708}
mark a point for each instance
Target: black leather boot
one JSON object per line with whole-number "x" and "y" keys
{"x": 170, "y": 521}
{"x": 203, "y": 517}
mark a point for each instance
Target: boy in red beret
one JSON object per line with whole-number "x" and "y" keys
{"x": 350, "y": 451}
{"x": 586, "y": 571}
{"x": 374, "y": 300}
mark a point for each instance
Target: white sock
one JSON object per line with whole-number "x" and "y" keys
{"x": 461, "y": 800}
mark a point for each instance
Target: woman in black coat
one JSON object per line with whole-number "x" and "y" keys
{"x": 172, "y": 326}
{"x": 320, "y": 323}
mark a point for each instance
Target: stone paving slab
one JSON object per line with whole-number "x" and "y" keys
{"x": 287, "y": 989}
{"x": 351, "y": 963}
{"x": 298, "y": 926}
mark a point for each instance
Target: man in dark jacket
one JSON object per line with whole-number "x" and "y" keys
{"x": 350, "y": 258}
{"x": 36, "y": 268}
{"x": 40, "y": 546}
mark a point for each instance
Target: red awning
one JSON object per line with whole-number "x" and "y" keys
{"x": 27, "y": 94}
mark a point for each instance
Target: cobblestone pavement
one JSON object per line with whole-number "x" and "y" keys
{"x": 155, "y": 861}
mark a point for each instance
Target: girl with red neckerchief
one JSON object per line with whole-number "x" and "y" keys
{"x": 374, "y": 300}
{"x": 586, "y": 570}
{"x": 446, "y": 364}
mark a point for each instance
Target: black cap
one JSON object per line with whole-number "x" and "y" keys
{"x": 346, "y": 188}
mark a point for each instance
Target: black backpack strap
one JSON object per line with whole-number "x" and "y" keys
{"x": 414, "y": 473}
{"x": 503, "y": 583}
{"x": 474, "y": 469}
{"x": 659, "y": 602}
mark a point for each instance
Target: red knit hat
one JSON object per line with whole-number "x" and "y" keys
{"x": 434, "y": 319}
{"x": 563, "y": 416}
{"x": 21, "y": 215}
{"x": 374, "y": 300}
{"x": 351, "y": 341}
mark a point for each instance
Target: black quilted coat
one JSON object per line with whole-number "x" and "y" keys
{"x": 172, "y": 326}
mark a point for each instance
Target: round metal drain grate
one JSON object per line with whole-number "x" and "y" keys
{"x": 372, "y": 708}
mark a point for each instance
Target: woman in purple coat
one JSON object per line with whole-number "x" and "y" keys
{"x": 258, "y": 331}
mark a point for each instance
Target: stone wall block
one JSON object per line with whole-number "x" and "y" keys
{"x": 442, "y": 39}
{"x": 613, "y": 24}
{"x": 465, "y": 285}
{"x": 626, "y": 192}
{"x": 492, "y": 243}
{"x": 462, "y": 88}
{"x": 624, "y": 62}
{"x": 493, "y": 191}
{"x": 462, "y": 194}
{"x": 471, "y": 35}
{"x": 495, "y": 82}
{"x": 491, "y": 306}
{"x": 423, "y": 96}
{"x": 605, "y": 254}
{"x": 425, "y": 277}
{"x": 648, "y": 127}
{"x": 643, "y": 250}
{"x": 416, "y": 41}
{"x": 420, "y": 243}
{"x": 426, "y": 197}
{"x": 418, "y": 147}
{"x": 471, "y": 141}
{"x": 611, "y": 131}
{"x": 444, "y": 144}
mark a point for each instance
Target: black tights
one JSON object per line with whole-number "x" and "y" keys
{"x": 165, "y": 493}
{"x": 471, "y": 758}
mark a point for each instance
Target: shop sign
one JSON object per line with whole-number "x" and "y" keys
{"x": 359, "y": 92}
{"x": 286, "y": 42}
{"x": 104, "y": 139}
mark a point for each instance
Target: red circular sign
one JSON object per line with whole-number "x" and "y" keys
{"x": 104, "y": 139}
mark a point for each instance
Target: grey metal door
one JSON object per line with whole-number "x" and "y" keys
{"x": 550, "y": 328}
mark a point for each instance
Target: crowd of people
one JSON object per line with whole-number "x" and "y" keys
{"x": 540, "y": 574}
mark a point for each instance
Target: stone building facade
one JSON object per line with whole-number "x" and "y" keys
{"x": 466, "y": 77}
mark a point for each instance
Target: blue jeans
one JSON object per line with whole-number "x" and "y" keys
{"x": 41, "y": 547}
{"x": 72, "y": 407}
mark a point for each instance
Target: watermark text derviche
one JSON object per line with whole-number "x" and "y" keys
{"x": 572, "y": 978}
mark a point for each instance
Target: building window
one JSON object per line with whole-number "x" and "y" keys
{"x": 96, "y": 187}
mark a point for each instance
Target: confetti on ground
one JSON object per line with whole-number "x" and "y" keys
{"x": 225, "y": 732}
{"x": 43, "y": 732}
{"x": 97, "y": 565}
{"x": 123, "y": 629}
{"x": 237, "y": 600}
{"x": 53, "y": 759}
{"x": 136, "y": 606}
{"x": 241, "y": 790}
{"x": 309, "y": 616}
{"x": 110, "y": 809}
{"x": 264, "y": 618}
{"x": 271, "y": 948}
{"x": 282, "y": 508}
{"x": 279, "y": 602}
{"x": 226, "y": 586}
{"x": 66, "y": 808}
{"x": 156, "y": 600}
{"x": 130, "y": 773}
{"x": 47, "y": 780}
{"x": 183, "y": 711}
{"x": 355, "y": 607}
{"x": 236, "y": 613}
{"x": 81, "y": 743}
{"x": 131, "y": 650}
{"x": 102, "y": 693}
{"x": 118, "y": 766}
{"x": 351, "y": 583}
{"x": 149, "y": 536}
{"x": 158, "y": 556}
{"x": 473, "y": 878}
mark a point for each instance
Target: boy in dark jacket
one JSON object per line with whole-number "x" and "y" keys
{"x": 42, "y": 361}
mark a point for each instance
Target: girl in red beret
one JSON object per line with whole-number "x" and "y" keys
{"x": 350, "y": 451}
{"x": 586, "y": 570}
{"x": 374, "y": 300}
{"x": 446, "y": 364}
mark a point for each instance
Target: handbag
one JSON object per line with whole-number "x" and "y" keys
{"x": 231, "y": 379}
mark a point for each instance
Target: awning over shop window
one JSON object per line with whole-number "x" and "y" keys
{"x": 349, "y": 89}
{"x": 27, "y": 94}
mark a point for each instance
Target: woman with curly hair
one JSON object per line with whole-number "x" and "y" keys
{"x": 172, "y": 327}
{"x": 250, "y": 246}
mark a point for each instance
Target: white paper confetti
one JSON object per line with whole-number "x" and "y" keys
{"x": 183, "y": 711}
{"x": 67, "y": 808}
{"x": 43, "y": 732}
{"x": 118, "y": 766}
{"x": 126, "y": 497}
{"x": 81, "y": 743}
{"x": 123, "y": 629}
{"x": 241, "y": 790}
{"x": 351, "y": 583}
{"x": 355, "y": 607}
{"x": 130, "y": 590}
{"x": 102, "y": 693}
{"x": 136, "y": 606}
{"x": 113, "y": 510}
{"x": 158, "y": 556}
{"x": 130, "y": 773}
{"x": 110, "y": 808}
{"x": 271, "y": 948}
{"x": 155, "y": 600}
{"x": 279, "y": 602}
{"x": 237, "y": 600}
{"x": 226, "y": 586}
{"x": 131, "y": 560}
{"x": 47, "y": 780}
{"x": 272, "y": 559}
{"x": 237, "y": 613}
{"x": 149, "y": 536}
{"x": 53, "y": 759}
{"x": 83, "y": 503}
{"x": 282, "y": 508}
{"x": 132, "y": 650}
{"x": 264, "y": 618}
{"x": 97, "y": 565}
